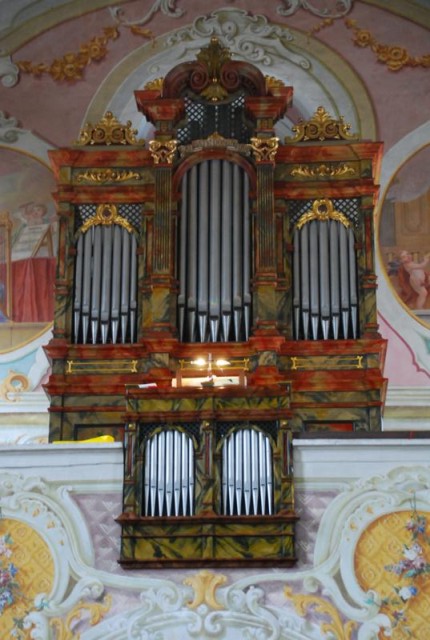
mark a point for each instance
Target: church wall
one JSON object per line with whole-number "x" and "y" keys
{"x": 362, "y": 549}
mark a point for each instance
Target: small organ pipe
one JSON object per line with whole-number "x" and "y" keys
{"x": 324, "y": 281}
{"x": 226, "y": 249}
{"x": 78, "y": 287}
{"x": 96, "y": 283}
{"x": 263, "y": 470}
{"x": 125, "y": 284}
{"x": 269, "y": 484}
{"x": 177, "y": 453}
{"x": 192, "y": 252}
{"x": 344, "y": 279}
{"x": 238, "y": 469}
{"x": 237, "y": 257}
{"x": 116, "y": 286}
{"x": 353, "y": 281}
{"x": 106, "y": 281}
{"x": 170, "y": 471}
{"x": 304, "y": 279}
{"x": 296, "y": 283}
{"x": 246, "y": 257}
{"x": 184, "y": 473}
{"x": 203, "y": 249}
{"x": 313, "y": 274}
{"x": 215, "y": 250}
{"x": 254, "y": 469}
{"x": 334, "y": 277}
{"x": 86, "y": 288}
{"x": 183, "y": 256}
{"x": 133, "y": 289}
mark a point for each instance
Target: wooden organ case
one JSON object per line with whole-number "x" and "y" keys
{"x": 215, "y": 293}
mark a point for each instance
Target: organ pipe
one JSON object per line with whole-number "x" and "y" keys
{"x": 169, "y": 474}
{"x": 325, "y": 296}
{"x": 247, "y": 476}
{"x": 214, "y": 300}
{"x": 105, "y": 288}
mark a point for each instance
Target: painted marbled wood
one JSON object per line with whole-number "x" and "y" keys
{"x": 228, "y": 541}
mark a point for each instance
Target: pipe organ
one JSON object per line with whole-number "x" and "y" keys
{"x": 215, "y": 294}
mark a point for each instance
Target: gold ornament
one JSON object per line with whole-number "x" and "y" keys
{"x": 323, "y": 171}
{"x": 394, "y": 57}
{"x": 100, "y": 176}
{"x": 163, "y": 152}
{"x": 106, "y": 214}
{"x": 205, "y": 583}
{"x": 265, "y": 149}
{"x": 70, "y": 67}
{"x": 322, "y": 210}
{"x": 321, "y": 127}
{"x": 108, "y": 131}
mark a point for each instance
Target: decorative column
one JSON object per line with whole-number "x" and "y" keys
{"x": 265, "y": 274}
{"x": 160, "y": 285}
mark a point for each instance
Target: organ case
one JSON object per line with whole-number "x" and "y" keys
{"x": 214, "y": 238}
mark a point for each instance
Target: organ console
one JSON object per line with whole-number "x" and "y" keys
{"x": 214, "y": 238}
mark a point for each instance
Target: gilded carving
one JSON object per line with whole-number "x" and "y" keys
{"x": 99, "y": 366}
{"x": 163, "y": 152}
{"x": 205, "y": 583}
{"x": 155, "y": 85}
{"x": 394, "y": 57}
{"x": 321, "y": 127}
{"x": 106, "y": 214}
{"x": 100, "y": 176}
{"x": 273, "y": 83}
{"x": 265, "y": 149}
{"x": 215, "y": 141}
{"x": 322, "y": 210}
{"x": 71, "y": 66}
{"x": 108, "y": 131}
{"x": 324, "y": 171}
{"x": 341, "y": 362}
{"x": 213, "y": 58}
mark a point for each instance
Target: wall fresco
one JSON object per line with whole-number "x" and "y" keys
{"x": 367, "y": 578}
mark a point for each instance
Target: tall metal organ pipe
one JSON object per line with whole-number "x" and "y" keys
{"x": 325, "y": 287}
{"x": 105, "y": 287}
{"x": 214, "y": 268}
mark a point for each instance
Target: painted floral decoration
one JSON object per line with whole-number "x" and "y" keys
{"x": 409, "y": 569}
{"x": 9, "y": 587}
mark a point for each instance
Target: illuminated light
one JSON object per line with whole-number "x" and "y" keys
{"x": 200, "y": 362}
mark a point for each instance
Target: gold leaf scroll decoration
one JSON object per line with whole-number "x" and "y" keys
{"x": 64, "y": 628}
{"x": 100, "y": 176}
{"x": 108, "y": 131}
{"x": 106, "y": 214}
{"x": 321, "y": 127}
{"x": 323, "y": 171}
{"x": 334, "y": 627}
{"x": 71, "y": 66}
{"x": 205, "y": 583}
{"x": 394, "y": 57}
{"x": 322, "y": 209}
